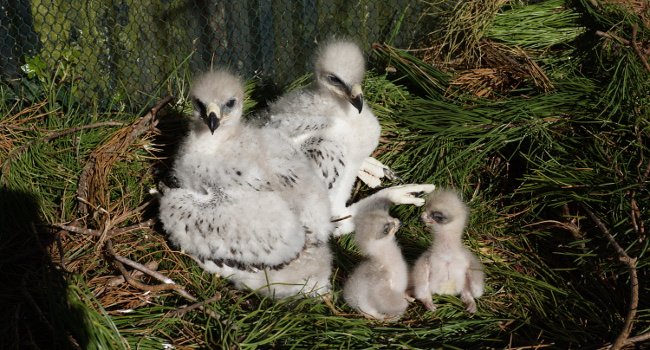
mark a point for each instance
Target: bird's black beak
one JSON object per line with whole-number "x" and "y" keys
{"x": 356, "y": 97}
{"x": 213, "y": 122}
{"x": 357, "y": 102}
{"x": 213, "y": 116}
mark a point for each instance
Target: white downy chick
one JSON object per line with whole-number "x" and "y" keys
{"x": 333, "y": 125}
{"x": 249, "y": 206}
{"x": 377, "y": 287}
{"x": 447, "y": 267}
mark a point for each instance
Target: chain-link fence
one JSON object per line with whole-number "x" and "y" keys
{"x": 130, "y": 46}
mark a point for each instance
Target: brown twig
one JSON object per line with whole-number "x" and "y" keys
{"x": 633, "y": 43}
{"x": 155, "y": 274}
{"x": 612, "y": 36}
{"x": 147, "y": 287}
{"x": 624, "y": 336}
{"x": 77, "y": 229}
{"x": 91, "y": 183}
{"x": 637, "y": 48}
{"x": 141, "y": 225}
{"x": 639, "y": 338}
{"x": 110, "y": 233}
{"x": 168, "y": 283}
{"x": 637, "y": 222}
{"x": 184, "y": 309}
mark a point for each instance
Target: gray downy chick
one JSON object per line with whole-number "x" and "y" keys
{"x": 333, "y": 125}
{"x": 377, "y": 286}
{"x": 249, "y": 206}
{"x": 447, "y": 267}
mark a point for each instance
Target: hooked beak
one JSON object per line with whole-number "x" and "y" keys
{"x": 393, "y": 230}
{"x": 356, "y": 97}
{"x": 214, "y": 114}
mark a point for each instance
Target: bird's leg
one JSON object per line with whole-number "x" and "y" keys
{"x": 372, "y": 171}
{"x": 369, "y": 179}
{"x": 327, "y": 299}
{"x": 379, "y": 169}
{"x": 402, "y": 194}
{"x": 468, "y": 300}
{"x": 343, "y": 225}
{"x": 343, "y": 220}
{"x": 407, "y": 194}
{"x": 428, "y": 303}
{"x": 409, "y": 298}
{"x": 466, "y": 295}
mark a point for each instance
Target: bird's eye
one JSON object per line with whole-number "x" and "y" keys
{"x": 438, "y": 217}
{"x": 199, "y": 106}
{"x": 386, "y": 229}
{"x": 333, "y": 79}
{"x": 231, "y": 103}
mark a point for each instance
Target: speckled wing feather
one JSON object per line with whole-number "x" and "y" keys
{"x": 298, "y": 126}
{"x": 328, "y": 156}
{"x": 244, "y": 206}
{"x": 226, "y": 228}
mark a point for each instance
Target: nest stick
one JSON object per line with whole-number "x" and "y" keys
{"x": 155, "y": 274}
{"x": 624, "y": 336}
{"x": 199, "y": 305}
{"x": 92, "y": 178}
{"x": 110, "y": 233}
{"x": 137, "y": 284}
{"x": 637, "y": 48}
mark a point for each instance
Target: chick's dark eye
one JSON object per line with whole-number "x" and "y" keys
{"x": 333, "y": 79}
{"x": 231, "y": 103}
{"x": 199, "y": 106}
{"x": 438, "y": 217}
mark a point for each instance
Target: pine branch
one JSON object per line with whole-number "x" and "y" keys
{"x": 51, "y": 136}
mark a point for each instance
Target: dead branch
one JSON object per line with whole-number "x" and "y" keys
{"x": 141, "y": 225}
{"x": 637, "y": 222}
{"x": 639, "y": 338}
{"x": 613, "y": 37}
{"x": 184, "y": 309}
{"x": 117, "y": 280}
{"x": 624, "y": 336}
{"x": 110, "y": 233}
{"x": 77, "y": 229}
{"x": 637, "y": 48}
{"x": 91, "y": 183}
{"x": 633, "y": 43}
{"x": 118, "y": 259}
{"x": 155, "y": 274}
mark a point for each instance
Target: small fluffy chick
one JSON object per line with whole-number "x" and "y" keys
{"x": 447, "y": 267}
{"x": 377, "y": 287}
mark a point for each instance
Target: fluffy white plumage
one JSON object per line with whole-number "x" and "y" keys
{"x": 447, "y": 267}
{"x": 333, "y": 125}
{"x": 377, "y": 287}
{"x": 249, "y": 205}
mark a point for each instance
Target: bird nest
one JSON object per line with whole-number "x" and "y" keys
{"x": 501, "y": 69}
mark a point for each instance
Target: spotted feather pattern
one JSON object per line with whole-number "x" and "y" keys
{"x": 328, "y": 156}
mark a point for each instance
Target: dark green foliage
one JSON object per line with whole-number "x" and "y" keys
{"x": 530, "y": 163}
